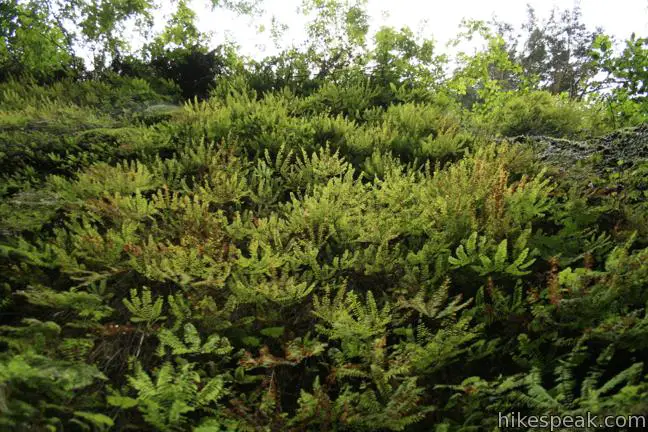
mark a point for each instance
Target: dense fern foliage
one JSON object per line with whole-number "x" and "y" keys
{"x": 343, "y": 237}
{"x": 310, "y": 263}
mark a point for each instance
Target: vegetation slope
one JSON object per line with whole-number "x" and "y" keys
{"x": 305, "y": 243}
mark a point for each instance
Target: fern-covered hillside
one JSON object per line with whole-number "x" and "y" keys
{"x": 318, "y": 243}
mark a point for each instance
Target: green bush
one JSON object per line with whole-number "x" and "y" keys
{"x": 539, "y": 113}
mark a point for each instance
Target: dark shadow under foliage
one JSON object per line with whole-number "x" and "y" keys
{"x": 195, "y": 70}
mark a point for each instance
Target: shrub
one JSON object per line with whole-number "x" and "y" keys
{"x": 540, "y": 113}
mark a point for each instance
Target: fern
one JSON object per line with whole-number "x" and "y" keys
{"x": 165, "y": 401}
{"x": 473, "y": 255}
{"x": 142, "y": 307}
{"x": 191, "y": 342}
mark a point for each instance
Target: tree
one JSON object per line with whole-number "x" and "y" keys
{"x": 558, "y": 51}
{"x": 337, "y": 34}
{"x": 32, "y": 43}
{"x": 480, "y": 77}
{"x": 399, "y": 59}
{"x": 43, "y": 35}
{"x": 625, "y": 85}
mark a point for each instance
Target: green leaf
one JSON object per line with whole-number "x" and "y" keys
{"x": 501, "y": 254}
{"x": 273, "y": 332}
{"x": 96, "y": 419}
{"x": 122, "y": 401}
{"x": 251, "y": 341}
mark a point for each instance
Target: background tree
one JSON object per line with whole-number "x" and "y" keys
{"x": 32, "y": 42}
{"x": 558, "y": 51}
{"x": 398, "y": 59}
{"x": 625, "y": 84}
{"x": 337, "y": 34}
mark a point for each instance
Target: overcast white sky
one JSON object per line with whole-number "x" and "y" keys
{"x": 435, "y": 18}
